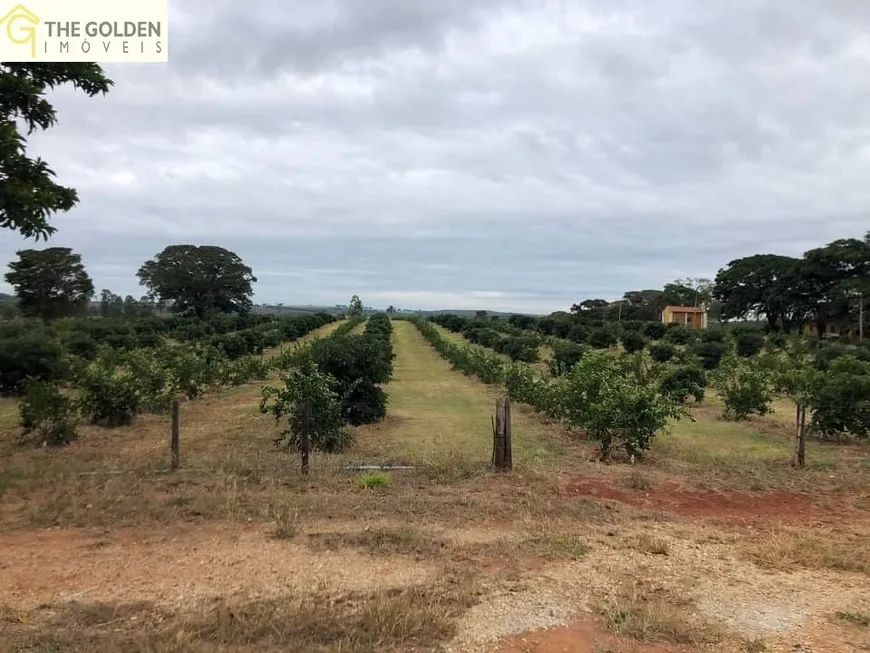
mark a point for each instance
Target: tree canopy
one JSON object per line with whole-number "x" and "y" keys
{"x": 824, "y": 285}
{"x": 28, "y": 193}
{"x": 50, "y": 283}
{"x": 199, "y": 280}
{"x": 356, "y": 306}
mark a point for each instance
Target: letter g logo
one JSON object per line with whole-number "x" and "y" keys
{"x": 21, "y": 27}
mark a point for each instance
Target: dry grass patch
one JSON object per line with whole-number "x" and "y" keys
{"x": 652, "y": 619}
{"x": 639, "y": 481}
{"x": 786, "y": 549}
{"x": 404, "y": 540}
{"x": 647, "y": 543}
{"x": 856, "y": 618}
{"x": 288, "y": 522}
{"x": 407, "y": 619}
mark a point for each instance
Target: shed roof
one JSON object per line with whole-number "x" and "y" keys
{"x": 686, "y": 309}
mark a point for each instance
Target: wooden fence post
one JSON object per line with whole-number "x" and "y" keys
{"x": 305, "y": 436}
{"x": 502, "y": 458}
{"x": 176, "y": 427}
{"x": 508, "y": 436}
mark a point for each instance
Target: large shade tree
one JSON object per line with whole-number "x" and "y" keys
{"x": 199, "y": 280}
{"x": 50, "y": 283}
{"x": 764, "y": 284}
{"x": 28, "y": 193}
{"x": 835, "y": 278}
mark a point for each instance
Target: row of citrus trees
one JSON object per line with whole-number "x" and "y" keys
{"x": 624, "y": 400}
{"x": 332, "y": 383}
{"x": 115, "y": 385}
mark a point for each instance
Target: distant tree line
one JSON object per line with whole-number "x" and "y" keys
{"x": 190, "y": 280}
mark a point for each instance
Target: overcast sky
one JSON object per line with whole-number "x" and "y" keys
{"x": 492, "y": 154}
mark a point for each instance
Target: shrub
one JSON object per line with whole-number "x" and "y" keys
{"x": 364, "y": 403}
{"x": 29, "y": 356}
{"x": 840, "y": 398}
{"x": 612, "y": 407}
{"x": 109, "y": 396}
{"x": 679, "y": 334}
{"x": 713, "y": 334}
{"x": 748, "y": 343}
{"x": 47, "y": 414}
{"x": 602, "y": 338}
{"x": 565, "y": 356}
{"x": 522, "y": 349}
{"x": 683, "y": 381}
{"x": 710, "y": 353}
{"x": 359, "y": 363}
{"x": 655, "y": 330}
{"x": 307, "y": 388}
{"x": 579, "y": 333}
{"x": 662, "y": 352}
{"x": 745, "y": 388}
{"x": 633, "y": 341}
{"x": 827, "y": 352}
{"x": 81, "y": 344}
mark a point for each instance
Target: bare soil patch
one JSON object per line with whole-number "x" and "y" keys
{"x": 726, "y": 506}
{"x": 584, "y": 636}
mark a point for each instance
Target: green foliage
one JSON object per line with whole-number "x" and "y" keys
{"x": 359, "y": 364}
{"x": 28, "y": 193}
{"x": 109, "y": 396}
{"x": 50, "y": 283}
{"x": 679, "y": 334}
{"x": 200, "y": 281}
{"x": 32, "y": 355}
{"x": 710, "y": 353}
{"x": 347, "y": 326}
{"x": 713, "y": 334}
{"x": 745, "y": 387}
{"x": 471, "y": 361}
{"x": 602, "y": 338}
{"x": 308, "y": 400}
{"x": 375, "y": 480}
{"x": 683, "y": 381}
{"x": 47, "y": 416}
{"x": 565, "y": 356}
{"x": 633, "y": 341}
{"x": 613, "y": 399}
{"x": 355, "y": 308}
{"x": 81, "y": 344}
{"x": 612, "y": 407}
{"x": 748, "y": 343}
{"x": 655, "y": 330}
{"x": 840, "y": 398}
{"x": 662, "y": 352}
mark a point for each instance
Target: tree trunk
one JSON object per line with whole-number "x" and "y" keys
{"x": 799, "y": 459}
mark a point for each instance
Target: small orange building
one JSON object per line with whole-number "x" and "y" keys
{"x": 694, "y": 317}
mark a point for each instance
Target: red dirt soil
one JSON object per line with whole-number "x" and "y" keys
{"x": 582, "y": 637}
{"x": 733, "y": 507}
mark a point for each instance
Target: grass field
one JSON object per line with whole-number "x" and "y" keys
{"x": 711, "y": 544}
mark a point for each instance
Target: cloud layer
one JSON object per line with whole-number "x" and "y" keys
{"x": 492, "y": 154}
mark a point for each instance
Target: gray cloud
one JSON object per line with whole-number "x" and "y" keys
{"x": 494, "y": 154}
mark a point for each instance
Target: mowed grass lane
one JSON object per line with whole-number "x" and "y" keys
{"x": 436, "y": 415}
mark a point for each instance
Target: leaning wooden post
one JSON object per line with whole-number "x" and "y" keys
{"x": 176, "y": 427}
{"x": 305, "y": 436}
